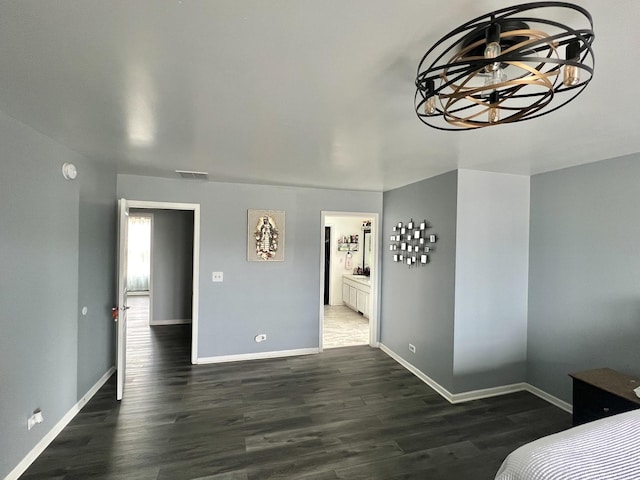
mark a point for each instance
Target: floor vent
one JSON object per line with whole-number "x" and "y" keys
{"x": 193, "y": 175}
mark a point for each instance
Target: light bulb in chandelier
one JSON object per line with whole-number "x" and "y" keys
{"x": 494, "y": 110}
{"x": 493, "y": 48}
{"x": 571, "y": 76}
{"x": 496, "y": 77}
{"x": 430, "y": 105}
{"x": 430, "y": 102}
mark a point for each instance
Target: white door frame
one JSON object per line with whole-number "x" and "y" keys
{"x": 374, "y": 334}
{"x": 195, "y": 208}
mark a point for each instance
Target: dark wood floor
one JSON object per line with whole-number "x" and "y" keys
{"x": 349, "y": 413}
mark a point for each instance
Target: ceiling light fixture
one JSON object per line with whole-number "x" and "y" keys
{"x": 506, "y": 66}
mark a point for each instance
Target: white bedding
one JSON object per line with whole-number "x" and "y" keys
{"x": 607, "y": 449}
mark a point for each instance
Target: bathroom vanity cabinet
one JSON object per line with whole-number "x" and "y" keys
{"x": 355, "y": 293}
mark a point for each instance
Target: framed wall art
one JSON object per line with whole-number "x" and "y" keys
{"x": 265, "y": 235}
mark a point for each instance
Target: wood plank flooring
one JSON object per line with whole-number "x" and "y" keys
{"x": 348, "y": 413}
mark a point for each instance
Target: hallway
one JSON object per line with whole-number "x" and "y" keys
{"x": 150, "y": 349}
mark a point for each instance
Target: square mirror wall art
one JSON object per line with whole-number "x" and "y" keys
{"x": 413, "y": 238}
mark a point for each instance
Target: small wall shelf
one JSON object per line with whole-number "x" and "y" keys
{"x": 348, "y": 243}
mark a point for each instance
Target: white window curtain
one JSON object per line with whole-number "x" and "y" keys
{"x": 139, "y": 254}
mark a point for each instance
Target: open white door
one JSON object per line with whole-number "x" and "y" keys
{"x": 121, "y": 320}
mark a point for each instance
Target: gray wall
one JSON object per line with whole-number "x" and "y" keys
{"x": 56, "y": 250}
{"x": 417, "y": 304}
{"x": 281, "y": 299}
{"x": 172, "y": 262}
{"x": 96, "y": 271}
{"x": 492, "y": 267}
{"x": 584, "y": 283}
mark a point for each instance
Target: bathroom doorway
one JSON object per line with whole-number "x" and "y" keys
{"x": 348, "y": 313}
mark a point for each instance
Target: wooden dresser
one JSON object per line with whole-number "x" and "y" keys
{"x": 602, "y": 392}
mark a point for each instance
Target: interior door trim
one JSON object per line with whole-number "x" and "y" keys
{"x": 195, "y": 207}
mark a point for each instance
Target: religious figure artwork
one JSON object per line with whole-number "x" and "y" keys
{"x": 266, "y": 235}
{"x": 265, "y": 240}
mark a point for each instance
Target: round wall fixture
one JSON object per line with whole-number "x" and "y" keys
{"x": 69, "y": 171}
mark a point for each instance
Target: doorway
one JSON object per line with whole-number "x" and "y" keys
{"x": 189, "y": 289}
{"x": 349, "y": 312}
{"x": 139, "y": 257}
{"x": 160, "y": 263}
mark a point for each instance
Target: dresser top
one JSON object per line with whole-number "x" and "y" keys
{"x": 611, "y": 381}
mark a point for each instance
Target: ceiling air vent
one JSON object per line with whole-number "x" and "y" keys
{"x": 193, "y": 175}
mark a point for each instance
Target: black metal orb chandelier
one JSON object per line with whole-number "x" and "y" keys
{"x": 507, "y": 66}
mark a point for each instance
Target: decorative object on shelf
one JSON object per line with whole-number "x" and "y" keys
{"x": 265, "y": 235}
{"x": 506, "y": 66}
{"x": 348, "y": 243}
{"x": 411, "y": 244}
{"x": 366, "y": 225}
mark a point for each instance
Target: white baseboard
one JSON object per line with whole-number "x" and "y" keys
{"x": 257, "y": 356}
{"x": 477, "y": 394}
{"x": 567, "y": 407}
{"x": 418, "y": 373}
{"x": 57, "y": 428}
{"x": 487, "y": 392}
{"x": 182, "y": 321}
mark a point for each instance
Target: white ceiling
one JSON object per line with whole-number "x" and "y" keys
{"x": 295, "y": 92}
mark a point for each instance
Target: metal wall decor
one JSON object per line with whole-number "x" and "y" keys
{"x": 265, "y": 235}
{"x": 506, "y": 66}
{"x": 411, "y": 244}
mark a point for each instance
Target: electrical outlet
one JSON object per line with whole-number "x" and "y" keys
{"x": 216, "y": 277}
{"x": 260, "y": 338}
{"x": 412, "y": 348}
{"x": 35, "y": 419}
